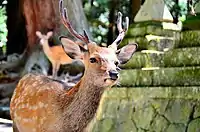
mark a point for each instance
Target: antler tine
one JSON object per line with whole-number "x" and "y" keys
{"x": 119, "y": 22}
{"x": 126, "y": 24}
{"x": 121, "y": 31}
{"x": 85, "y": 34}
{"x": 66, "y": 23}
{"x": 61, "y": 6}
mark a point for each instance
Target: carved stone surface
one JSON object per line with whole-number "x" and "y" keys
{"x": 170, "y": 109}
{"x": 155, "y": 10}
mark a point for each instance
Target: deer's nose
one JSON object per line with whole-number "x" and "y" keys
{"x": 113, "y": 74}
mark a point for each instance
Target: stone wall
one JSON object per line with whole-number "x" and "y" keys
{"x": 159, "y": 87}
{"x": 152, "y": 109}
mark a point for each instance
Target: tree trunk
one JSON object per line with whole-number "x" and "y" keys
{"x": 25, "y": 17}
{"x": 135, "y": 6}
{"x": 16, "y": 28}
{"x": 44, "y": 16}
{"x": 176, "y": 12}
{"x": 113, "y": 5}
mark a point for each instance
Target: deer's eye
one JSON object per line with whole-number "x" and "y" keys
{"x": 93, "y": 60}
{"x": 116, "y": 63}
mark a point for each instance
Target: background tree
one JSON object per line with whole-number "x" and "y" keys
{"x": 135, "y": 6}
{"x": 25, "y": 17}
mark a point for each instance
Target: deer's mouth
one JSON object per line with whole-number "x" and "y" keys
{"x": 110, "y": 81}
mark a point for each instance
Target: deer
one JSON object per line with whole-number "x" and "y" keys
{"x": 58, "y": 54}
{"x": 40, "y": 104}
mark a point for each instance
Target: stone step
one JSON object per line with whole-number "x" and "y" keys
{"x": 172, "y": 58}
{"x": 162, "y": 42}
{"x": 155, "y": 44}
{"x": 143, "y": 28}
{"x": 189, "y": 39}
{"x": 187, "y": 76}
{"x": 169, "y": 109}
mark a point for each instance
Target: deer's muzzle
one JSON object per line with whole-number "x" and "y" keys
{"x": 113, "y": 74}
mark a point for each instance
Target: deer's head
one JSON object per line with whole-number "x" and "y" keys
{"x": 44, "y": 37}
{"x": 101, "y": 63}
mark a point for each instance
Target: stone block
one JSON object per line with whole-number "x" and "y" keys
{"x": 145, "y": 28}
{"x": 194, "y": 125}
{"x": 154, "y": 109}
{"x": 157, "y": 43}
{"x": 188, "y": 76}
{"x": 173, "y": 58}
{"x": 189, "y": 39}
{"x": 136, "y": 78}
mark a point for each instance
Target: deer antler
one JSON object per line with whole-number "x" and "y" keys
{"x": 121, "y": 31}
{"x": 66, "y": 22}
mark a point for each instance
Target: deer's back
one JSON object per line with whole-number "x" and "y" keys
{"x": 36, "y": 104}
{"x": 59, "y": 54}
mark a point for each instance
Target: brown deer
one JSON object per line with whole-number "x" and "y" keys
{"x": 57, "y": 55}
{"x": 40, "y": 104}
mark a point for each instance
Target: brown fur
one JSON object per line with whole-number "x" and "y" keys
{"x": 56, "y": 54}
{"x": 40, "y": 104}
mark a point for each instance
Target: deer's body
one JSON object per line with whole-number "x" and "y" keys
{"x": 56, "y": 54}
{"x": 39, "y": 96}
{"x": 40, "y": 104}
{"x": 50, "y": 108}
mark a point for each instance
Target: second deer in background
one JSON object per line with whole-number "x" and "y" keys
{"x": 56, "y": 54}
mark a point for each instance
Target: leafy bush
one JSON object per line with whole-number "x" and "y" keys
{"x": 3, "y": 27}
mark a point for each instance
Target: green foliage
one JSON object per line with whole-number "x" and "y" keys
{"x": 180, "y": 9}
{"x": 97, "y": 13}
{"x": 3, "y": 27}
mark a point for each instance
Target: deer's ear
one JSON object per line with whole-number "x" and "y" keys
{"x": 49, "y": 34}
{"x": 70, "y": 46}
{"x": 82, "y": 45}
{"x": 92, "y": 47}
{"x": 126, "y": 52}
{"x": 39, "y": 34}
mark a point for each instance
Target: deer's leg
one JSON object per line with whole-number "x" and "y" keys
{"x": 15, "y": 129}
{"x": 56, "y": 67}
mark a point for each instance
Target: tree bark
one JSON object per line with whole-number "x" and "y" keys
{"x": 135, "y": 6}
{"x": 113, "y": 5}
{"x": 44, "y": 16}
{"x": 176, "y": 12}
{"x": 16, "y": 28}
{"x": 25, "y": 17}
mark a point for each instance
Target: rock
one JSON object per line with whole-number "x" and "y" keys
{"x": 147, "y": 109}
{"x": 188, "y": 76}
{"x": 154, "y": 10}
{"x": 149, "y": 27}
{"x": 151, "y": 42}
{"x": 176, "y": 128}
{"x": 6, "y": 90}
{"x": 189, "y": 39}
{"x": 172, "y": 58}
{"x": 194, "y": 126}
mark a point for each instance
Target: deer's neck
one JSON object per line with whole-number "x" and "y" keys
{"x": 83, "y": 105}
{"x": 46, "y": 49}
